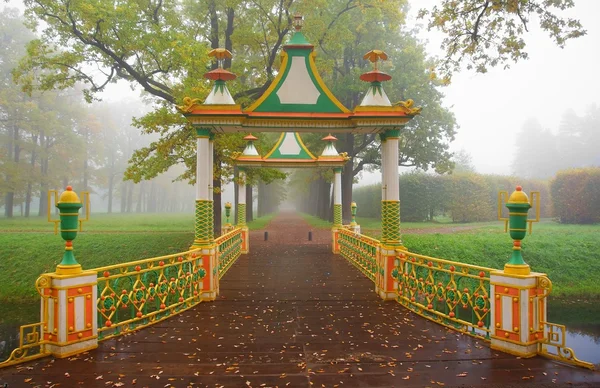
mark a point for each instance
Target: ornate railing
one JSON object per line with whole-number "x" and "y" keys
{"x": 450, "y": 293}
{"x": 553, "y": 345}
{"x": 32, "y": 343}
{"x": 229, "y": 248}
{"x": 140, "y": 293}
{"x": 360, "y": 250}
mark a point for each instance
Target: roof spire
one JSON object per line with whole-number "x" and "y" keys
{"x": 298, "y": 21}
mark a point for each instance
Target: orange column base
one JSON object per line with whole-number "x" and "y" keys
{"x": 516, "y": 313}
{"x": 70, "y": 314}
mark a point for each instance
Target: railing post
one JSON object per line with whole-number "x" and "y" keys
{"x": 69, "y": 312}
{"x": 516, "y": 309}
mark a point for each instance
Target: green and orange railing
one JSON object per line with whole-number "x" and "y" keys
{"x": 80, "y": 308}
{"x": 483, "y": 302}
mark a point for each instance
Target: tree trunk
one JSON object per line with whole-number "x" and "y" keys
{"x": 260, "y": 211}
{"x": 43, "y": 207}
{"x": 347, "y": 178}
{"x": 111, "y": 185}
{"x": 236, "y": 194}
{"x": 249, "y": 204}
{"x": 140, "y": 200}
{"x": 123, "y": 196}
{"x": 129, "y": 203}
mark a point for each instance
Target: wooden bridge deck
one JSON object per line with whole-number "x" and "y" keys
{"x": 293, "y": 314}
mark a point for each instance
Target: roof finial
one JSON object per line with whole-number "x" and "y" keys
{"x": 220, "y": 54}
{"x": 298, "y": 21}
{"x": 374, "y": 56}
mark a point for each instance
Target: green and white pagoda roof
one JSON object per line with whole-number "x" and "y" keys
{"x": 297, "y": 100}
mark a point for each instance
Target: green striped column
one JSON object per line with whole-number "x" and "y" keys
{"x": 337, "y": 214}
{"x": 390, "y": 222}
{"x": 203, "y": 230}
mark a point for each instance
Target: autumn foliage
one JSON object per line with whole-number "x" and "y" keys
{"x": 576, "y": 195}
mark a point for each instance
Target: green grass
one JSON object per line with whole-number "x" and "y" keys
{"x": 367, "y": 223}
{"x": 261, "y": 222}
{"x": 116, "y": 222}
{"x": 568, "y": 254}
{"x": 30, "y": 248}
{"x": 316, "y": 222}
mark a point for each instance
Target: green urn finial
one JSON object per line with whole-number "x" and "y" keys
{"x": 518, "y": 205}
{"x": 68, "y": 205}
{"x": 353, "y": 208}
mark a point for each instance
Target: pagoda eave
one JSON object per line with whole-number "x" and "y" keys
{"x": 290, "y": 163}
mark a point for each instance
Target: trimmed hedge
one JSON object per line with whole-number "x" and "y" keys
{"x": 464, "y": 197}
{"x": 576, "y": 195}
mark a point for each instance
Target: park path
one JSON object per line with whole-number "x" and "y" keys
{"x": 292, "y": 314}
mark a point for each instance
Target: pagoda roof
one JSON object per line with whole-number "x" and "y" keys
{"x": 299, "y": 100}
{"x": 288, "y": 152}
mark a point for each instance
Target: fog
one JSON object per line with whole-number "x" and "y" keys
{"x": 490, "y": 108}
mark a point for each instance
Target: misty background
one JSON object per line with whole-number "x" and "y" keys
{"x": 533, "y": 119}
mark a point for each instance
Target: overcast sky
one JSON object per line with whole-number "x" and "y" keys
{"x": 492, "y": 107}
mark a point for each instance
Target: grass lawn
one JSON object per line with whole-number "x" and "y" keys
{"x": 30, "y": 248}
{"x": 568, "y": 254}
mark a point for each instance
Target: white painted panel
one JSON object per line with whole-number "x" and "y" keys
{"x": 74, "y": 281}
{"x": 375, "y": 99}
{"x": 79, "y": 313}
{"x": 242, "y": 190}
{"x": 289, "y": 145}
{"x": 62, "y": 315}
{"x": 202, "y": 174}
{"x": 337, "y": 188}
{"x": 298, "y": 87}
{"x": 524, "y": 306}
{"x": 391, "y": 170}
{"x": 51, "y": 313}
{"x": 507, "y": 313}
{"x": 219, "y": 97}
{"x": 493, "y": 302}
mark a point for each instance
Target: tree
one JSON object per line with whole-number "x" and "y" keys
{"x": 463, "y": 161}
{"x": 161, "y": 47}
{"x": 488, "y": 33}
{"x": 535, "y": 152}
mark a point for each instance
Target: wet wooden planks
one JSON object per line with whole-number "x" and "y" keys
{"x": 292, "y": 314}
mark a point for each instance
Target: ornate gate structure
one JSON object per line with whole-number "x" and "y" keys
{"x": 505, "y": 307}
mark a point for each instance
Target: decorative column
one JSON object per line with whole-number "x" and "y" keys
{"x": 203, "y": 231}
{"x": 390, "y": 204}
{"x": 518, "y": 304}
{"x": 241, "y": 211}
{"x": 337, "y": 208}
{"x": 69, "y": 308}
{"x": 391, "y": 242}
